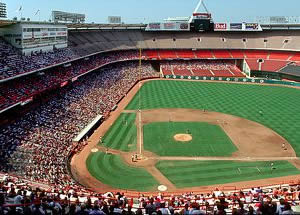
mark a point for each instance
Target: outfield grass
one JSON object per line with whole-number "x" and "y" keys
{"x": 111, "y": 170}
{"x": 203, "y": 173}
{"x": 279, "y": 105}
{"x": 208, "y": 139}
{"x": 122, "y": 134}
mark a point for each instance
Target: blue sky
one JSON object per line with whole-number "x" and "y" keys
{"x": 137, "y": 11}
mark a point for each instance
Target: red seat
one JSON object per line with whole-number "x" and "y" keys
{"x": 203, "y": 54}
{"x": 272, "y": 65}
{"x": 279, "y": 55}
{"x": 296, "y": 57}
{"x": 253, "y": 64}
{"x": 184, "y": 72}
{"x": 151, "y": 54}
{"x": 167, "y": 54}
{"x": 202, "y": 73}
{"x": 237, "y": 54}
{"x": 256, "y": 54}
{"x": 166, "y": 71}
{"x": 222, "y": 54}
{"x": 188, "y": 54}
{"x": 223, "y": 73}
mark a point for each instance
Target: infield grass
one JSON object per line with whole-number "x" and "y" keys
{"x": 122, "y": 134}
{"x": 111, "y": 170}
{"x": 279, "y": 105}
{"x": 208, "y": 139}
{"x": 203, "y": 173}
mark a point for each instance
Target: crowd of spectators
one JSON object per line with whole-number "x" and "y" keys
{"x": 199, "y": 64}
{"x": 36, "y": 145}
{"x": 18, "y": 196}
{"x": 13, "y": 63}
{"x": 21, "y": 89}
{"x": 217, "y": 68}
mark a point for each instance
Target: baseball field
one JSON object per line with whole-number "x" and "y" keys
{"x": 193, "y": 134}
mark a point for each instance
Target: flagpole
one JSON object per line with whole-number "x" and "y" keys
{"x": 21, "y": 12}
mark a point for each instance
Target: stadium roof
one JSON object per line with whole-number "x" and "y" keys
{"x": 74, "y": 26}
{"x": 280, "y": 26}
{"x": 105, "y": 26}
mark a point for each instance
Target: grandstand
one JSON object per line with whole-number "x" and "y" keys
{"x": 81, "y": 97}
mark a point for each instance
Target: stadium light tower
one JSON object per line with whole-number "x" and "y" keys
{"x": 201, "y": 2}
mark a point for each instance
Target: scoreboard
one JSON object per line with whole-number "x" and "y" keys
{"x": 202, "y": 25}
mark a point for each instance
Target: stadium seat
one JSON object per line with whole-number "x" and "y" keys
{"x": 273, "y": 65}
{"x": 251, "y": 54}
{"x": 185, "y": 54}
{"x": 166, "y": 54}
{"x": 237, "y": 54}
{"x": 279, "y": 55}
{"x": 221, "y": 54}
{"x": 253, "y": 64}
{"x": 203, "y": 54}
{"x": 151, "y": 54}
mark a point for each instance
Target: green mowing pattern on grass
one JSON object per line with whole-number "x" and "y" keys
{"x": 122, "y": 135}
{"x": 280, "y": 105}
{"x": 208, "y": 139}
{"x": 203, "y": 173}
{"x": 111, "y": 170}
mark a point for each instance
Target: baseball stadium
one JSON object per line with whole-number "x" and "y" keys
{"x": 184, "y": 116}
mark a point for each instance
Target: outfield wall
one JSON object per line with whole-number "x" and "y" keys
{"x": 241, "y": 80}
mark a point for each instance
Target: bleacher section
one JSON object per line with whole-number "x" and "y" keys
{"x": 272, "y": 65}
{"x": 202, "y": 72}
{"x": 266, "y": 65}
{"x": 201, "y": 68}
{"x": 221, "y": 54}
{"x": 13, "y": 63}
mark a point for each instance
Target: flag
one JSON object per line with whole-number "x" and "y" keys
{"x": 20, "y": 9}
{"x": 37, "y": 12}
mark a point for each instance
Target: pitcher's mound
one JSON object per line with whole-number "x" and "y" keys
{"x": 183, "y": 137}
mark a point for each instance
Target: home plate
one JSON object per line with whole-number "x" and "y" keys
{"x": 95, "y": 150}
{"x": 162, "y": 188}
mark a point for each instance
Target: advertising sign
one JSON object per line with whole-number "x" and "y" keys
{"x": 169, "y": 25}
{"x": 184, "y": 26}
{"x": 236, "y": 26}
{"x": 154, "y": 26}
{"x": 220, "y": 26}
{"x": 251, "y": 26}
